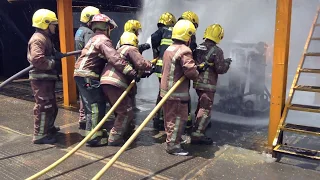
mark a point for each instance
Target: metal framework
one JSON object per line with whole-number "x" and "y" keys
{"x": 280, "y": 65}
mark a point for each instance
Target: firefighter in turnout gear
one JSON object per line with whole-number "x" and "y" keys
{"x": 134, "y": 26}
{"x": 177, "y": 62}
{"x": 43, "y": 76}
{"x": 211, "y": 56}
{"x": 192, "y": 17}
{"x": 115, "y": 82}
{"x": 160, "y": 40}
{"x": 88, "y": 68}
{"x": 82, "y": 36}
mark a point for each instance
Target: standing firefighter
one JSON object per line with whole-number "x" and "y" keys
{"x": 115, "y": 82}
{"x": 43, "y": 76}
{"x": 211, "y": 55}
{"x": 177, "y": 62}
{"x": 97, "y": 52}
{"x": 134, "y": 26}
{"x": 161, "y": 40}
{"x": 82, "y": 36}
{"x": 192, "y": 17}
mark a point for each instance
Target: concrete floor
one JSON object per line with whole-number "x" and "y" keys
{"x": 238, "y": 151}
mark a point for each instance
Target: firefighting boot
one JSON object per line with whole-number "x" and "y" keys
{"x": 158, "y": 123}
{"x": 53, "y": 130}
{"x": 176, "y": 150}
{"x": 45, "y": 140}
{"x": 99, "y": 141}
{"x": 200, "y": 138}
{"x": 82, "y": 125}
{"x": 115, "y": 138}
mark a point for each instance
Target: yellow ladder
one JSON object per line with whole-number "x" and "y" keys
{"x": 278, "y": 147}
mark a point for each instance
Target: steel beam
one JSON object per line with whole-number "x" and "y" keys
{"x": 66, "y": 45}
{"x": 280, "y": 65}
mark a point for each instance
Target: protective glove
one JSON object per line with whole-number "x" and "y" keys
{"x": 137, "y": 79}
{"x": 228, "y": 61}
{"x": 58, "y": 55}
{"x": 146, "y": 74}
{"x": 143, "y": 47}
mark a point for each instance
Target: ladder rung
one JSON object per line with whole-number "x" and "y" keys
{"x": 305, "y": 108}
{"x": 312, "y": 54}
{"x": 301, "y": 129}
{"x": 307, "y": 70}
{"x": 317, "y": 25}
{"x": 295, "y": 151}
{"x": 307, "y": 88}
{"x": 316, "y": 38}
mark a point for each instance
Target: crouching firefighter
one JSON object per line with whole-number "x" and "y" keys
{"x": 43, "y": 76}
{"x": 115, "y": 82}
{"x": 177, "y": 62}
{"x": 161, "y": 40}
{"x": 192, "y": 17}
{"x": 82, "y": 36}
{"x": 209, "y": 56}
{"x": 88, "y": 68}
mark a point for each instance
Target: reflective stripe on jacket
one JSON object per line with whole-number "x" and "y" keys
{"x": 160, "y": 40}
{"x": 209, "y": 52}
{"x": 97, "y": 52}
{"x": 40, "y": 49}
{"x": 178, "y": 62}
{"x": 133, "y": 57}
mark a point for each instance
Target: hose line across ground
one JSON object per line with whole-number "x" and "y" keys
{"x": 136, "y": 133}
{"x": 86, "y": 138}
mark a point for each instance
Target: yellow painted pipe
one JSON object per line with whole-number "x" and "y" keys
{"x": 87, "y": 137}
{"x": 135, "y": 134}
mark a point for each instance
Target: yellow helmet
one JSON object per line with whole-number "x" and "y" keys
{"x": 43, "y": 17}
{"x": 214, "y": 32}
{"x": 183, "y": 30}
{"x": 167, "y": 19}
{"x": 129, "y": 38}
{"x": 132, "y": 26}
{"x": 87, "y": 13}
{"x": 191, "y": 16}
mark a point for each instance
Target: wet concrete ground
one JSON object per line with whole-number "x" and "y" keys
{"x": 238, "y": 151}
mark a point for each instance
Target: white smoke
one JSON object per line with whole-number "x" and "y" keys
{"x": 247, "y": 21}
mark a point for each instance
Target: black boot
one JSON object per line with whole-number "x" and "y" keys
{"x": 98, "y": 142}
{"x": 158, "y": 124}
{"x": 53, "y": 130}
{"x": 82, "y": 125}
{"x": 205, "y": 140}
{"x": 176, "y": 150}
{"x": 45, "y": 140}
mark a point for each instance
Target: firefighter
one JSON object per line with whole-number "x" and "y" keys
{"x": 43, "y": 76}
{"x": 134, "y": 26}
{"x": 160, "y": 40}
{"x": 114, "y": 83}
{"x": 88, "y": 69}
{"x": 192, "y": 17}
{"x": 82, "y": 36}
{"x": 211, "y": 55}
{"x": 177, "y": 62}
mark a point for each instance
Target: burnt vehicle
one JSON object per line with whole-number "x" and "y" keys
{"x": 242, "y": 91}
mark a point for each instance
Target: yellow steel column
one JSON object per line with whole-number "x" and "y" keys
{"x": 66, "y": 45}
{"x": 280, "y": 65}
